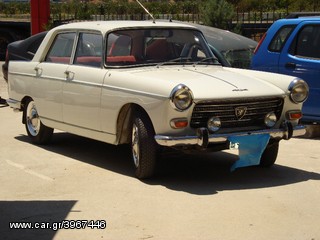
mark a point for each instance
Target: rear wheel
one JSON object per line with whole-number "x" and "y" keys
{"x": 143, "y": 146}
{"x": 39, "y": 133}
{"x": 269, "y": 155}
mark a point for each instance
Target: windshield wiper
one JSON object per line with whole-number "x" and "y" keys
{"x": 207, "y": 59}
{"x": 175, "y": 60}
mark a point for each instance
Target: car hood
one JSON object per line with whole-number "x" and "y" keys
{"x": 205, "y": 82}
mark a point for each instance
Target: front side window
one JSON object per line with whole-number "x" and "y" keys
{"x": 307, "y": 42}
{"x": 89, "y": 50}
{"x": 157, "y": 46}
{"x": 280, "y": 38}
{"x": 61, "y": 49}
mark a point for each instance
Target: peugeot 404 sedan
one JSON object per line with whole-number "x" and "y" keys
{"x": 151, "y": 85}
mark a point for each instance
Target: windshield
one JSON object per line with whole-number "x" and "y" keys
{"x": 239, "y": 58}
{"x": 157, "y": 47}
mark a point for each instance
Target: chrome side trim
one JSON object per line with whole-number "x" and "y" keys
{"x": 171, "y": 141}
{"x": 132, "y": 91}
{"x": 22, "y": 74}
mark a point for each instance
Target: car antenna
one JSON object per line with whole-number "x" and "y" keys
{"x": 146, "y": 10}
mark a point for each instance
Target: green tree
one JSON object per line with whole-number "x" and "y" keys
{"x": 217, "y": 13}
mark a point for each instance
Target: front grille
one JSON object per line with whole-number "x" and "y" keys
{"x": 256, "y": 109}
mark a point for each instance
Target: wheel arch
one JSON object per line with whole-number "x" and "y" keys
{"x": 125, "y": 119}
{"x": 23, "y": 105}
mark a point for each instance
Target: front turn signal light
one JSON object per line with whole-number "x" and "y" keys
{"x": 294, "y": 115}
{"x": 179, "y": 123}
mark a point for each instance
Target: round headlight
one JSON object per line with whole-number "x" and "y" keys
{"x": 181, "y": 97}
{"x": 299, "y": 91}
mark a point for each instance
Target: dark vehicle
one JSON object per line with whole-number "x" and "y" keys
{"x": 10, "y": 32}
{"x": 22, "y": 50}
{"x": 236, "y": 49}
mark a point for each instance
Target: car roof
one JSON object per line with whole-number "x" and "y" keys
{"x": 297, "y": 20}
{"x": 106, "y": 26}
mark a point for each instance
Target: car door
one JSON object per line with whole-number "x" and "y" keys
{"x": 267, "y": 55}
{"x": 82, "y": 90}
{"x": 50, "y": 76}
{"x": 301, "y": 58}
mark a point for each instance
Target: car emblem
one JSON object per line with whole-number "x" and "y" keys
{"x": 240, "y": 112}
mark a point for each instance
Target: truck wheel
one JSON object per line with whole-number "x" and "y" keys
{"x": 39, "y": 133}
{"x": 143, "y": 147}
{"x": 269, "y": 155}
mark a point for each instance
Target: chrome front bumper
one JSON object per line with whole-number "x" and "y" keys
{"x": 203, "y": 138}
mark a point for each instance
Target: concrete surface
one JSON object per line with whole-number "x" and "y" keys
{"x": 194, "y": 197}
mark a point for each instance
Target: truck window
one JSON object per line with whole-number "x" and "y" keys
{"x": 280, "y": 38}
{"x": 308, "y": 41}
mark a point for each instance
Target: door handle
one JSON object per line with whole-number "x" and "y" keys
{"x": 38, "y": 71}
{"x": 69, "y": 75}
{"x": 290, "y": 65}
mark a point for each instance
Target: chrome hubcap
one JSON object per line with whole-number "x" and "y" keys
{"x": 33, "y": 121}
{"x": 135, "y": 145}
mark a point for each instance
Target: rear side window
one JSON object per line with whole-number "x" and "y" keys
{"x": 61, "y": 49}
{"x": 307, "y": 42}
{"x": 280, "y": 38}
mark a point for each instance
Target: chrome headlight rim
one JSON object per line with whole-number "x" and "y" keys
{"x": 214, "y": 124}
{"x": 270, "y": 119}
{"x": 298, "y": 83}
{"x": 178, "y": 104}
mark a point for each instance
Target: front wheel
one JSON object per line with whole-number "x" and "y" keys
{"x": 39, "y": 133}
{"x": 269, "y": 155}
{"x": 143, "y": 146}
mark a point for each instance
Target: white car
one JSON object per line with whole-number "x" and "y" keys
{"x": 151, "y": 85}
